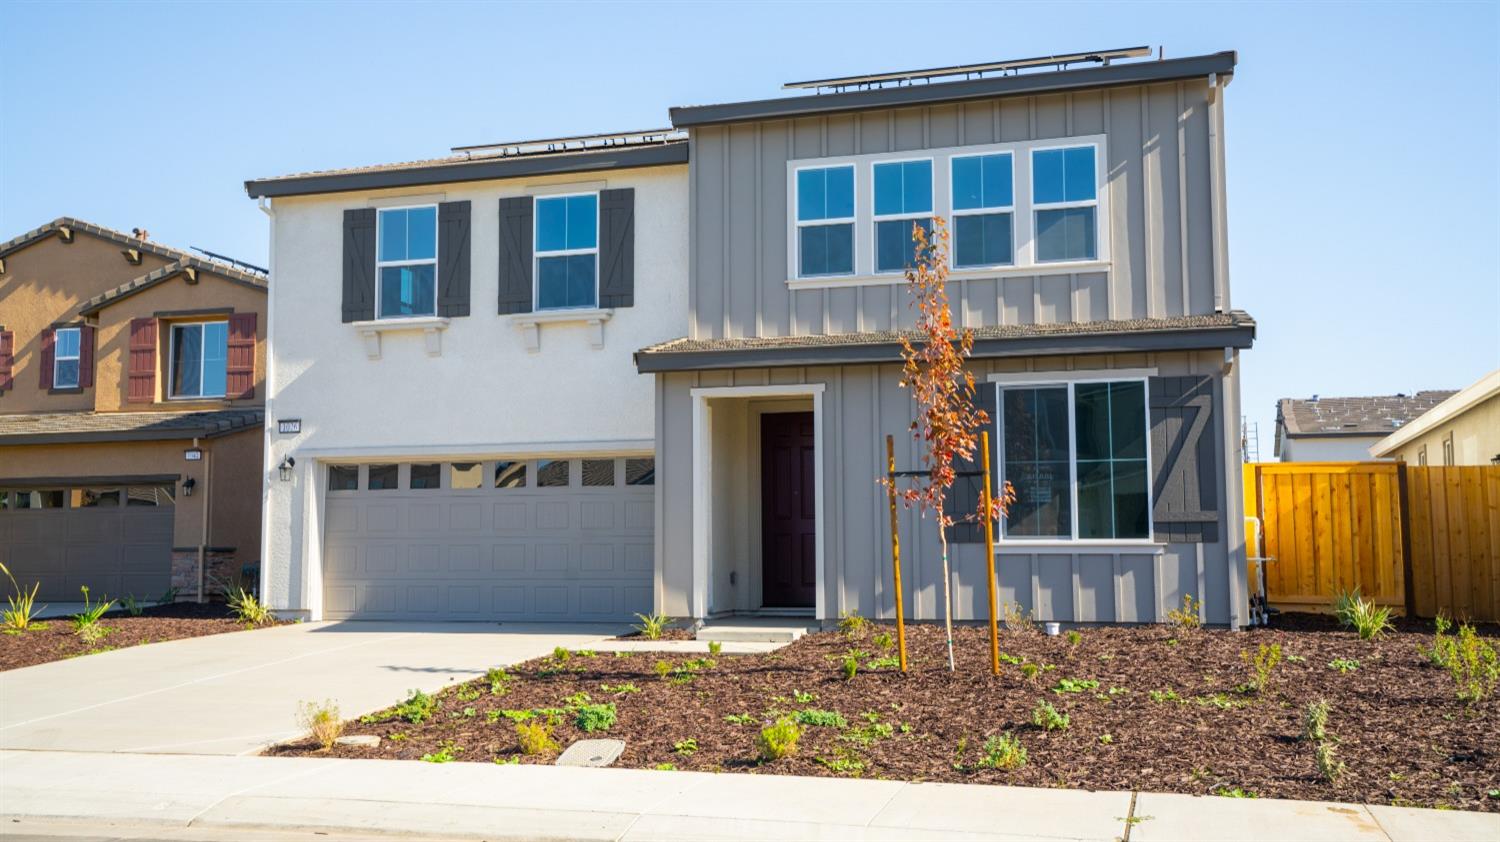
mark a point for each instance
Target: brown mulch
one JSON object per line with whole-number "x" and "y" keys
{"x": 53, "y": 639}
{"x": 1400, "y": 729}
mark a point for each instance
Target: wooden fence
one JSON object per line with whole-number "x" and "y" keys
{"x": 1423, "y": 539}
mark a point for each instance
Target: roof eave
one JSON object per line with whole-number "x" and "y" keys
{"x": 1129, "y": 73}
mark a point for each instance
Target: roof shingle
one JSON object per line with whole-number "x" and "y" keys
{"x": 1374, "y": 415}
{"x": 85, "y": 427}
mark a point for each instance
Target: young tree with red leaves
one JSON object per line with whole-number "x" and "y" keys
{"x": 948, "y": 421}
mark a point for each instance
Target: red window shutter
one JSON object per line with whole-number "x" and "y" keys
{"x": 49, "y": 355}
{"x": 141, "y": 375}
{"x": 239, "y": 381}
{"x": 86, "y": 357}
{"x": 7, "y": 359}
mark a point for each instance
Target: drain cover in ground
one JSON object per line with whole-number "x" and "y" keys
{"x": 360, "y": 740}
{"x": 592, "y": 753}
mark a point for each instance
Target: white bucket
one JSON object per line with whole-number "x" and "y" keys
{"x": 1054, "y": 629}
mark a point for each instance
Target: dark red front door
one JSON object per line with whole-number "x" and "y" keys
{"x": 788, "y": 527}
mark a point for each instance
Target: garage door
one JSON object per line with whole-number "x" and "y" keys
{"x": 550, "y": 539}
{"x": 117, "y": 541}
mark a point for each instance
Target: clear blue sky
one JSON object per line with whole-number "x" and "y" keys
{"x": 1364, "y": 164}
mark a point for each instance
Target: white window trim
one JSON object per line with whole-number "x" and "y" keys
{"x": 794, "y": 238}
{"x": 380, "y": 315}
{"x": 537, "y": 254}
{"x": 58, "y": 359}
{"x": 1043, "y": 380}
{"x": 955, "y": 213}
{"x": 876, "y": 219}
{"x": 1037, "y": 207}
{"x": 171, "y": 389}
{"x": 1022, "y": 212}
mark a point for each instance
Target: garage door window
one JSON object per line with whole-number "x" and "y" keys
{"x": 640, "y": 472}
{"x": 92, "y": 498}
{"x": 510, "y": 474}
{"x": 599, "y": 473}
{"x": 49, "y": 499}
{"x": 383, "y": 478}
{"x": 465, "y": 475}
{"x": 149, "y": 495}
{"x": 426, "y": 476}
{"x": 552, "y": 473}
{"x": 343, "y": 478}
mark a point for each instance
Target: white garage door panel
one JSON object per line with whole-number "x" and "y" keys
{"x": 489, "y": 554}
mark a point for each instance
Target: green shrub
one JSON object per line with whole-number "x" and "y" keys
{"x": 499, "y": 681}
{"x": 739, "y": 719}
{"x": 685, "y": 747}
{"x": 822, "y": 718}
{"x": 446, "y": 753}
{"x": 1047, "y": 717}
{"x": 246, "y": 609}
{"x": 715, "y": 647}
{"x": 132, "y": 606}
{"x": 778, "y": 739}
{"x": 1473, "y": 664}
{"x": 853, "y": 625}
{"x": 321, "y": 721}
{"x": 884, "y": 641}
{"x": 418, "y": 707}
{"x": 1344, "y": 665}
{"x": 1315, "y": 721}
{"x": 1329, "y": 766}
{"x": 1074, "y": 637}
{"x": 20, "y": 614}
{"x": 1017, "y": 619}
{"x": 651, "y": 625}
{"x": 591, "y": 718}
{"x": 89, "y": 616}
{"x": 850, "y": 666}
{"x": 887, "y": 663}
{"x": 535, "y": 738}
{"x": 1004, "y": 752}
{"x": 1438, "y": 654}
{"x": 620, "y": 689}
{"x": 1262, "y": 666}
{"x": 1074, "y": 685}
{"x": 1189, "y": 616}
{"x": 1362, "y": 615}
{"x": 663, "y": 669}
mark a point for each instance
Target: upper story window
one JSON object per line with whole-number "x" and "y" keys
{"x": 199, "y": 359}
{"x": 567, "y": 251}
{"x": 1076, "y": 456}
{"x": 406, "y": 265}
{"x": 1064, "y": 195}
{"x": 903, "y": 199}
{"x": 825, "y": 221}
{"x": 67, "y": 356}
{"x": 983, "y": 203}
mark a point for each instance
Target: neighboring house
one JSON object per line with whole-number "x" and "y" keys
{"x": 119, "y": 356}
{"x": 473, "y": 438}
{"x": 454, "y": 339}
{"x": 1323, "y": 429}
{"x": 1462, "y": 430}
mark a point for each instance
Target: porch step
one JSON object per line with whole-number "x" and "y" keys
{"x": 755, "y": 630}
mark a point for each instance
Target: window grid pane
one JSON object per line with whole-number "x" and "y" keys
{"x": 1036, "y": 462}
{"x": 895, "y": 245}
{"x": 903, "y": 187}
{"x": 1109, "y": 425}
{"x": 826, "y": 193}
{"x": 552, "y": 473}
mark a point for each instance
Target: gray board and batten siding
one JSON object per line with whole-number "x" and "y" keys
{"x": 1162, "y": 170}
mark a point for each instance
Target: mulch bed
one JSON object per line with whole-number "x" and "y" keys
{"x": 56, "y": 640}
{"x": 1399, "y": 727}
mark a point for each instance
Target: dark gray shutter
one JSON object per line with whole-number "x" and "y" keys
{"x": 1184, "y": 464}
{"x": 453, "y": 259}
{"x": 515, "y": 255}
{"x": 617, "y": 248}
{"x": 359, "y": 264}
{"x": 963, "y": 497}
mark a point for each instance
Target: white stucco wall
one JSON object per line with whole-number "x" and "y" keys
{"x": 485, "y": 395}
{"x": 1330, "y": 449}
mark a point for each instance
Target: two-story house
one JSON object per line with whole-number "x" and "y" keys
{"x": 130, "y": 415}
{"x": 1087, "y": 213}
{"x": 457, "y": 429}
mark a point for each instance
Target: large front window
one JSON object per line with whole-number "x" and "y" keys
{"x": 825, "y": 221}
{"x": 903, "y": 200}
{"x": 983, "y": 199}
{"x": 567, "y": 251}
{"x": 1075, "y": 453}
{"x": 67, "y": 350}
{"x": 199, "y": 359}
{"x": 407, "y": 262}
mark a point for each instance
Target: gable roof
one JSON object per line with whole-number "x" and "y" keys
{"x": 1457, "y": 404}
{"x": 1375, "y": 415}
{"x": 165, "y": 273}
{"x": 57, "y": 225}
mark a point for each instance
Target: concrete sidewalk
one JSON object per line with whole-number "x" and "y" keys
{"x": 174, "y": 794}
{"x": 236, "y": 693}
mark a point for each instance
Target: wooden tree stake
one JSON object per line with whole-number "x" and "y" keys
{"x": 989, "y": 553}
{"x": 890, "y": 489}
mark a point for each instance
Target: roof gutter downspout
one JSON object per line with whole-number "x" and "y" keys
{"x": 1217, "y": 189}
{"x": 263, "y": 585}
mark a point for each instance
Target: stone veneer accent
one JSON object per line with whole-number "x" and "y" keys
{"x": 221, "y": 572}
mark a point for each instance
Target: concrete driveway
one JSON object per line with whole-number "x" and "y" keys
{"x": 236, "y": 693}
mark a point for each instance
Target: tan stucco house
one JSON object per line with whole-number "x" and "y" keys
{"x": 131, "y": 394}
{"x": 1462, "y": 430}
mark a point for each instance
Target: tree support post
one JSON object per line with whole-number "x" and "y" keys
{"x": 989, "y": 553}
{"x": 890, "y": 490}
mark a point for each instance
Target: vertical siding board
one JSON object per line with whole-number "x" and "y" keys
{"x": 1166, "y": 247}
{"x": 709, "y": 230}
{"x": 978, "y": 122}
{"x": 1419, "y": 503}
{"x": 1479, "y": 541}
{"x": 1199, "y": 198}
{"x": 775, "y": 148}
{"x": 1458, "y": 560}
{"x": 743, "y": 231}
{"x": 1051, "y": 116}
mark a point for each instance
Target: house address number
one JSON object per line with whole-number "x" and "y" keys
{"x": 289, "y": 426}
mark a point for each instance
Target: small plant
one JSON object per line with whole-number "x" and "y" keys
{"x": 1074, "y": 685}
{"x": 1106, "y": 739}
{"x": 467, "y": 693}
{"x": 1004, "y": 752}
{"x": 20, "y": 614}
{"x": 513, "y": 760}
{"x": 843, "y": 762}
{"x": 1047, "y": 717}
{"x": 132, "y": 606}
{"x": 651, "y": 625}
{"x": 884, "y": 641}
{"x": 418, "y": 707}
{"x": 1165, "y": 696}
{"x": 591, "y": 718}
{"x": 1234, "y": 792}
{"x": 850, "y": 666}
{"x": 1262, "y": 665}
{"x": 715, "y": 647}
{"x": 1030, "y": 671}
{"x": 886, "y": 663}
{"x": 246, "y": 609}
{"x": 739, "y": 719}
{"x": 535, "y": 738}
{"x": 1329, "y": 766}
{"x": 1438, "y": 654}
{"x": 85, "y": 621}
{"x": 1362, "y": 615}
{"x": 446, "y": 753}
{"x": 1188, "y": 617}
{"x": 620, "y": 689}
{"x": 822, "y": 718}
{"x": 1344, "y": 665}
{"x": 802, "y": 697}
{"x": 663, "y": 669}
{"x": 561, "y": 655}
{"x": 1473, "y": 664}
{"x": 853, "y": 625}
{"x": 665, "y": 767}
{"x": 499, "y": 681}
{"x": 321, "y": 721}
{"x": 778, "y": 739}
{"x": 1074, "y": 637}
{"x": 1017, "y": 619}
{"x": 1315, "y": 721}
{"x": 685, "y": 747}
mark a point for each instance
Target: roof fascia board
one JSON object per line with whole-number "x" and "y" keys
{"x": 1131, "y": 73}
{"x": 886, "y": 352}
{"x": 97, "y": 231}
{"x": 165, "y": 274}
{"x": 1456, "y": 405}
{"x": 480, "y": 170}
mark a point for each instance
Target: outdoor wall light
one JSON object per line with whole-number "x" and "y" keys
{"x": 187, "y": 486}
{"x": 285, "y": 468}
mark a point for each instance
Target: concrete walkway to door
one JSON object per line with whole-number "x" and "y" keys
{"x": 236, "y": 693}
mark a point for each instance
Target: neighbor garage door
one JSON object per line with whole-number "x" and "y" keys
{"x": 117, "y": 541}
{"x": 562, "y": 539}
